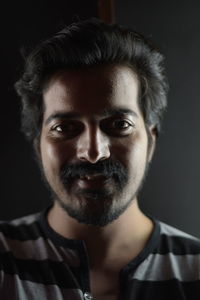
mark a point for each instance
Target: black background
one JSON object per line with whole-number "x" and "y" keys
{"x": 172, "y": 189}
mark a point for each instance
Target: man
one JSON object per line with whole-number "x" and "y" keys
{"x": 93, "y": 97}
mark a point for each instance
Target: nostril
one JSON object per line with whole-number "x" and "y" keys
{"x": 103, "y": 158}
{"x": 92, "y": 157}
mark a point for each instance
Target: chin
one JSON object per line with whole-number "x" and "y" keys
{"x": 97, "y": 211}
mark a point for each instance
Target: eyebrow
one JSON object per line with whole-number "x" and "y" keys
{"x": 118, "y": 111}
{"x": 105, "y": 113}
{"x": 61, "y": 115}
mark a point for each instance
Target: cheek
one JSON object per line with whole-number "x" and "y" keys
{"x": 54, "y": 154}
{"x": 131, "y": 151}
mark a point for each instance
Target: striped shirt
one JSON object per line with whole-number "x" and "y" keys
{"x": 36, "y": 263}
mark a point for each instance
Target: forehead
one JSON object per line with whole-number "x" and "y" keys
{"x": 91, "y": 91}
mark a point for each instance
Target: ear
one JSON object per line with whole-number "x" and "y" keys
{"x": 152, "y": 137}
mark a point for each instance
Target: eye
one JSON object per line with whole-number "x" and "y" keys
{"x": 121, "y": 124}
{"x": 117, "y": 127}
{"x": 67, "y": 129}
{"x": 64, "y": 128}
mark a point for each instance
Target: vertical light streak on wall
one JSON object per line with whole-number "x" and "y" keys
{"x": 106, "y": 10}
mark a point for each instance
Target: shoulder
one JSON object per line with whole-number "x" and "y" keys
{"x": 17, "y": 231}
{"x": 177, "y": 242}
{"x": 171, "y": 270}
{"x": 177, "y": 256}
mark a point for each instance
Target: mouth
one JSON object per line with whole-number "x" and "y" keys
{"x": 92, "y": 181}
{"x": 92, "y": 176}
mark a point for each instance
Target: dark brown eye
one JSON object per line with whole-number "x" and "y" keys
{"x": 117, "y": 127}
{"x": 67, "y": 129}
{"x": 121, "y": 124}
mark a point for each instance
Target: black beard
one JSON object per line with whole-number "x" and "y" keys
{"x": 104, "y": 217}
{"x": 108, "y": 213}
{"x": 102, "y": 198}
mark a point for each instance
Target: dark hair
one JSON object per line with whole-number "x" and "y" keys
{"x": 85, "y": 44}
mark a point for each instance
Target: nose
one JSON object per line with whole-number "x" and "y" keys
{"x": 93, "y": 145}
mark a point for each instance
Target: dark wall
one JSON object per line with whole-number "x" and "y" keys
{"x": 172, "y": 189}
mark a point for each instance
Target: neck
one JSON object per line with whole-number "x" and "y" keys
{"x": 127, "y": 235}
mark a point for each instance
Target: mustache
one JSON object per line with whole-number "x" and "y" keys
{"x": 108, "y": 168}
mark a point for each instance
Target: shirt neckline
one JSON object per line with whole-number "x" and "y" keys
{"x": 79, "y": 244}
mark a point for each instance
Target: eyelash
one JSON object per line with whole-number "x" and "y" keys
{"x": 57, "y": 126}
{"x": 107, "y": 126}
{"x": 68, "y": 130}
{"x": 123, "y": 121}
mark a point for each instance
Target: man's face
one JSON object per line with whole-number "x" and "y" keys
{"x": 93, "y": 144}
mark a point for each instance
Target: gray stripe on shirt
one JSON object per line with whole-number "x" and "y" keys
{"x": 157, "y": 267}
{"x": 16, "y": 289}
{"x": 39, "y": 249}
{"x": 171, "y": 231}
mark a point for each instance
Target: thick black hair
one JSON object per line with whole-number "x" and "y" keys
{"x": 86, "y": 44}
